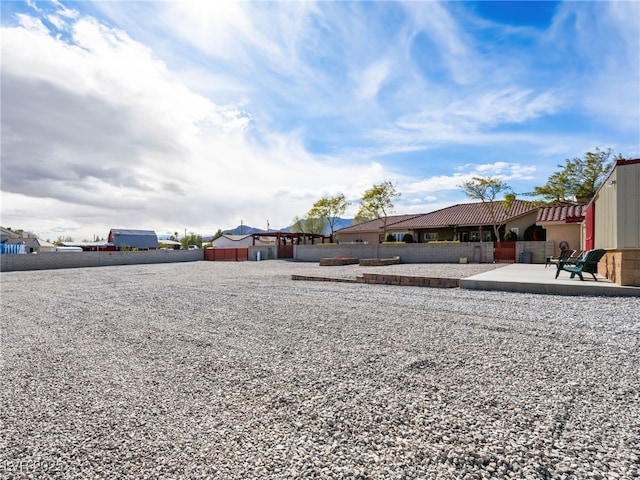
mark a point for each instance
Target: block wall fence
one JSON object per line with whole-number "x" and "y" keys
{"x": 481, "y": 252}
{"x": 55, "y": 260}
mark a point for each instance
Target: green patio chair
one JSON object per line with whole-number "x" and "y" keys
{"x": 564, "y": 255}
{"x": 587, "y": 264}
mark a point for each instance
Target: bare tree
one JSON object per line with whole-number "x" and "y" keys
{"x": 377, "y": 203}
{"x": 330, "y": 209}
{"x": 487, "y": 189}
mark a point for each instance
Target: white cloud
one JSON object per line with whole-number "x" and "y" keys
{"x": 116, "y": 134}
{"x": 202, "y": 113}
{"x": 369, "y": 81}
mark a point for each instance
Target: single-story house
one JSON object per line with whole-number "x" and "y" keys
{"x": 369, "y": 231}
{"x": 6, "y": 234}
{"x": 466, "y": 222}
{"x": 563, "y": 224}
{"x": 613, "y": 223}
{"x": 123, "y": 239}
{"x": 31, "y": 244}
{"x": 97, "y": 246}
{"x": 170, "y": 244}
{"x": 234, "y": 241}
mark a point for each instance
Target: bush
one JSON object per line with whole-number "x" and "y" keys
{"x": 390, "y": 238}
{"x": 407, "y": 238}
{"x": 535, "y": 232}
{"x": 510, "y": 236}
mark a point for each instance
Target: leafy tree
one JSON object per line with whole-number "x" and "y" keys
{"x": 377, "y": 203}
{"x": 487, "y": 189}
{"x": 60, "y": 240}
{"x": 577, "y": 178}
{"x": 309, "y": 225}
{"x": 218, "y": 234}
{"x": 191, "y": 239}
{"x": 407, "y": 238}
{"x": 329, "y": 208}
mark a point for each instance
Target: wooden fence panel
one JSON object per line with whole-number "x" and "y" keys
{"x": 226, "y": 254}
{"x": 504, "y": 252}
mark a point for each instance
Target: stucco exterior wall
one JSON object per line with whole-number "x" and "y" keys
{"x": 56, "y": 260}
{"x": 522, "y": 224}
{"x": 224, "y": 242}
{"x": 567, "y": 232}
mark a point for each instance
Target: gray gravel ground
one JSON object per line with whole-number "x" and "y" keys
{"x": 234, "y": 371}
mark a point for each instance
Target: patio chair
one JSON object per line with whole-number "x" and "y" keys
{"x": 587, "y": 264}
{"x": 575, "y": 256}
{"x": 564, "y": 255}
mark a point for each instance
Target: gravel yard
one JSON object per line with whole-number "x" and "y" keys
{"x": 234, "y": 371}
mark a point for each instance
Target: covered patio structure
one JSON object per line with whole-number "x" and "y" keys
{"x": 286, "y": 240}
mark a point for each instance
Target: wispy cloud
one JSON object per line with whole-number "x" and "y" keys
{"x": 201, "y": 113}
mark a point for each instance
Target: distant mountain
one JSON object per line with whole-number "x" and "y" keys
{"x": 248, "y": 230}
{"x": 243, "y": 230}
{"x": 340, "y": 223}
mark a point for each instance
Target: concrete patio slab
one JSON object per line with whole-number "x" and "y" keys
{"x": 528, "y": 278}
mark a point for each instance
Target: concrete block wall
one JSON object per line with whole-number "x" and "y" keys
{"x": 539, "y": 250}
{"x": 621, "y": 267}
{"x": 408, "y": 253}
{"x": 267, "y": 252}
{"x": 313, "y": 253}
{"x": 56, "y": 260}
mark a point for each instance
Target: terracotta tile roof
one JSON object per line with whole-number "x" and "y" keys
{"x": 466, "y": 214}
{"x": 561, "y": 213}
{"x": 376, "y": 225}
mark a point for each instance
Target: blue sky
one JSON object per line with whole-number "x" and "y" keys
{"x": 195, "y": 115}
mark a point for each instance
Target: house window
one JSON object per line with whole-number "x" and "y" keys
{"x": 475, "y": 236}
{"x": 487, "y": 235}
{"x": 431, "y": 236}
{"x": 464, "y": 236}
{"x": 397, "y": 236}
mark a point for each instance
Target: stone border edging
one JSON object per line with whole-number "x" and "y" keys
{"x": 381, "y": 279}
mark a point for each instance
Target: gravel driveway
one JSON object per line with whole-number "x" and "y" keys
{"x": 234, "y": 371}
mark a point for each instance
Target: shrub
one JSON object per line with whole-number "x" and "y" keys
{"x": 510, "y": 236}
{"x": 535, "y": 232}
{"x": 407, "y": 238}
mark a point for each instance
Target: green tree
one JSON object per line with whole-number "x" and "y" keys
{"x": 309, "y": 225}
{"x": 577, "y": 179}
{"x": 331, "y": 209}
{"x": 377, "y": 203}
{"x": 218, "y": 234}
{"x": 191, "y": 239}
{"x": 62, "y": 239}
{"x": 487, "y": 190}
